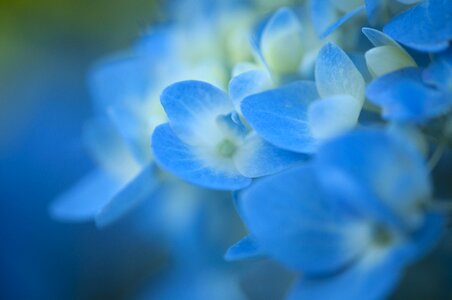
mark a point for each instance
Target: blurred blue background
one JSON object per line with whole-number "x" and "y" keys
{"x": 46, "y": 50}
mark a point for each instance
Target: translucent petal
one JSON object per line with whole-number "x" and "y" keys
{"x": 378, "y": 38}
{"x": 387, "y": 59}
{"x": 334, "y": 115}
{"x": 83, "y": 201}
{"x": 282, "y": 29}
{"x": 335, "y": 74}
{"x": 134, "y": 192}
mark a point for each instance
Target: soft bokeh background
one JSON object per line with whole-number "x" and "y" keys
{"x": 46, "y": 50}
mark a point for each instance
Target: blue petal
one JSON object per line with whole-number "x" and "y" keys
{"x": 376, "y": 173}
{"x": 335, "y": 74}
{"x": 279, "y": 116}
{"x": 108, "y": 148}
{"x": 439, "y": 72}
{"x": 83, "y": 201}
{"x": 403, "y": 97}
{"x": 132, "y": 129}
{"x": 257, "y": 158}
{"x": 245, "y": 248}
{"x": 136, "y": 191}
{"x": 330, "y": 29}
{"x": 121, "y": 88}
{"x": 378, "y": 38}
{"x": 282, "y": 28}
{"x": 246, "y": 84}
{"x": 193, "y": 106}
{"x": 432, "y": 34}
{"x": 333, "y": 115}
{"x": 356, "y": 283}
{"x": 376, "y": 273}
{"x": 175, "y": 156}
{"x": 294, "y": 222}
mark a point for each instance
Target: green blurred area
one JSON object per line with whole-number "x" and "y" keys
{"x": 65, "y": 36}
{"x": 27, "y": 28}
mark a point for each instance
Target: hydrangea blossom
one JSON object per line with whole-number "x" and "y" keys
{"x": 346, "y": 217}
{"x": 326, "y": 124}
{"x": 206, "y": 143}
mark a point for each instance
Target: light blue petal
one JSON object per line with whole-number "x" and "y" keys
{"x": 193, "y": 106}
{"x": 108, "y": 148}
{"x": 132, "y": 129}
{"x": 294, "y": 222}
{"x": 257, "y": 158}
{"x": 256, "y": 38}
{"x": 243, "y": 249}
{"x": 246, "y": 84}
{"x": 330, "y": 29}
{"x": 83, "y": 201}
{"x": 331, "y": 116}
{"x": 178, "y": 158}
{"x": 378, "y": 38}
{"x": 282, "y": 28}
{"x": 335, "y": 74}
{"x": 279, "y": 116}
{"x": 432, "y": 34}
{"x": 404, "y": 98}
{"x": 120, "y": 87}
{"x": 376, "y": 173}
{"x": 137, "y": 190}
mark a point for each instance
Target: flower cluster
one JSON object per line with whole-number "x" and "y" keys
{"x": 325, "y": 118}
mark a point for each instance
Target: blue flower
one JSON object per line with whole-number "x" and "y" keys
{"x": 206, "y": 143}
{"x": 126, "y": 89}
{"x": 425, "y": 27}
{"x": 299, "y": 115}
{"x": 352, "y": 216}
